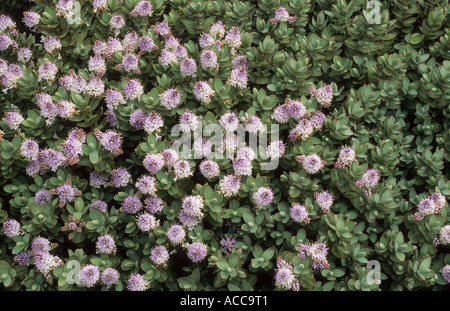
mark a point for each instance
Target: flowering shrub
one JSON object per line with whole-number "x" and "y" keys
{"x": 208, "y": 145}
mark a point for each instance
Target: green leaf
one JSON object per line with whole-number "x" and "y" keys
{"x": 94, "y": 157}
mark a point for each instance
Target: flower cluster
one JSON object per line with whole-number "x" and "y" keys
{"x": 312, "y": 163}
{"x": 317, "y": 251}
{"x": 430, "y": 205}
{"x": 284, "y": 276}
{"x": 368, "y": 181}
{"x": 191, "y": 212}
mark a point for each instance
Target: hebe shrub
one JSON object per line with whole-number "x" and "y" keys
{"x": 349, "y": 100}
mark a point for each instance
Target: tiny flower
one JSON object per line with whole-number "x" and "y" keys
{"x": 6, "y": 23}
{"x": 95, "y": 87}
{"x": 170, "y": 156}
{"x": 65, "y": 8}
{"x": 254, "y": 125}
{"x": 113, "y": 45}
{"x": 89, "y": 276}
{"x": 439, "y": 201}
{"x": 147, "y": 222}
{"x": 132, "y": 204}
{"x": 66, "y": 109}
{"x": 98, "y": 204}
{"x": 72, "y": 148}
{"x": 227, "y": 244}
{"x": 51, "y": 43}
{"x": 110, "y": 140}
{"x": 40, "y": 245}
{"x": 131, "y": 41}
{"x": 97, "y": 64}
{"x": 42, "y": 197}
{"x": 105, "y": 244}
{"x": 324, "y": 95}
{"x": 153, "y": 162}
{"x": 217, "y": 30}
{"x": 170, "y": 99}
{"x": 240, "y": 61}
{"x": 193, "y": 205}
{"x": 50, "y": 159}
{"x": 153, "y": 204}
{"x": 146, "y": 44}
{"x": 31, "y": 19}
{"x": 65, "y": 192}
{"x": 97, "y": 179}
{"x": 299, "y": 213}
{"x": 111, "y": 118}
{"x": 176, "y": 234}
{"x": 197, "y": 251}
{"x": 311, "y": 163}
{"x": 133, "y": 90}
{"x": 130, "y": 63}
{"x": 317, "y": 251}
{"x": 109, "y": 276}
{"x": 317, "y": 120}
{"x": 284, "y": 276}
{"x": 153, "y": 122}
{"x": 302, "y": 130}
{"x": 446, "y": 273}
{"x": 159, "y": 255}
{"x": 238, "y": 77}
{"x": 346, "y": 156}
{"x": 325, "y": 200}
{"x": 13, "y": 119}
{"x": 276, "y": 149}
{"x": 209, "y": 168}
{"x": 209, "y": 60}
{"x": 368, "y": 181}
{"x": 246, "y": 152}
{"x": 203, "y": 92}
{"x": 229, "y": 121}
{"x": 9, "y": 79}
{"x": 24, "y": 55}
{"x": 282, "y": 15}
{"x": 233, "y": 38}
{"x": 137, "y": 118}
{"x": 162, "y": 29}
{"x": 99, "y": 47}
{"x": 426, "y": 207}
{"x": 146, "y": 185}
{"x": 263, "y": 197}
{"x": 206, "y": 40}
{"x": 29, "y": 149}
{"x": 188, "y": 68}
{"x": 189, "y": 121}
{"x": 120, "y": 177}
{"x": 167, "y": 57}
{"x": 116, "y": 23}
{"x": 23, "y": 258}
{"x": 12, "y": 228}
{"x": 5, "y": 42}
{"x": 46, "y": 263}
{"x": 444, "y": 236}
{"x": 230, "y": 185}
{"x": 180, "y": 52}
{"x": 137, "y": 282}
{"x": 242, "y": 167}
{"x": 182, "y": 169}
{"x": 142, "y": 9}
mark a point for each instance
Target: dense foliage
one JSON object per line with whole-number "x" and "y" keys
{"x": 352, "y": 97}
